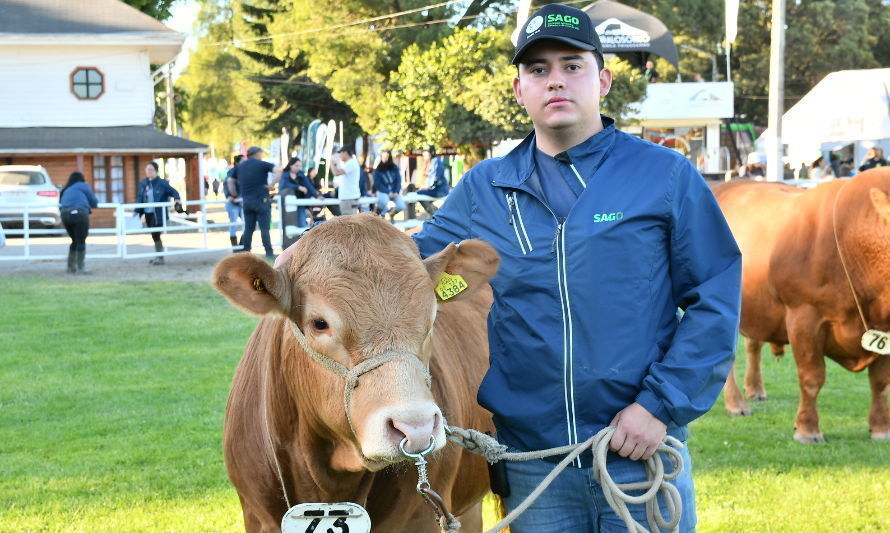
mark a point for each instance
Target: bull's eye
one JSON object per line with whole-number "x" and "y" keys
{"x": 319, "y": 324}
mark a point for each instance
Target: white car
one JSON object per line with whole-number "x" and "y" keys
{"x": 28, "y": 185}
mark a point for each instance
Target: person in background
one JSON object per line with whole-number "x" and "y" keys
{"x": 650, "y": 73}
{"x": 292, "y": 177}
{"x": 75, "y": 202}
{"x": 233, "y": 208}
{"x": 252, "y": 175}
{"x": 603, "y": 238}
{"x": 437, "y": 184}
{"x": 873, "y": 158}
{"x": 317, "y": 211}
{"x": 820, "y": 170}
{"x": 388, "y": 183}
{"x": 347, "y": 179}
{"x": 153, "y": 189}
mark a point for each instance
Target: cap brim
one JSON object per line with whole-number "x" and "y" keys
{"x": 567, "y": 40}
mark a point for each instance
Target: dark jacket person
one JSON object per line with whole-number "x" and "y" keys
{"x": 76, "y": 200}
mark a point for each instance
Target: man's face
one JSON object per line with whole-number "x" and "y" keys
{"x": 344, "y": 156}
{"x": 297, "y": 166}
{"x": 650, "y": 65}
{"x": 560, "y": 86}
{"x": 150, "y": 171}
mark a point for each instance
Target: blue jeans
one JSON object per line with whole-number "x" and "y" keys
{"x": 574, "y": 502}
{"x": 236, "y": 213}
{"x": 257, "y": 211}
{"x": 383, "y": 201}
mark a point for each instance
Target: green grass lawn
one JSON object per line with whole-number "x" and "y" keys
{"x": 112, "y": 397}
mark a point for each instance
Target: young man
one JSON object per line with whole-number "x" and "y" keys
{"x": 602, "y": 237}
{"x": 348, "y": 174}
{"x": 252, "y": 176}
{"x": 152, "y": 189}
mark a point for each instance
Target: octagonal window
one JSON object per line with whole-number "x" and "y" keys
{"x": 87, "y": 83}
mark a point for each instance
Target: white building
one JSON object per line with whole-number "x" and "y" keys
{"x": 77, "y": 92}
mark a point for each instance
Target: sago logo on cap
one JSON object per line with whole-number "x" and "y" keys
{"x": 534, "y": 24}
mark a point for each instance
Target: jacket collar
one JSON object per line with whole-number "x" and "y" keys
{"x": 517, "y": 166}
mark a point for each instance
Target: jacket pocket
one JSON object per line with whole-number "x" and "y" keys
{"x": 525, "y": 244}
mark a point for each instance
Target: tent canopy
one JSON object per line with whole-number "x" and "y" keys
{"x": 626, "y": 31}
{"x": 846, "y": 107}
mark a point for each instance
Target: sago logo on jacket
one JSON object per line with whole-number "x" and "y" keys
{"x": 608, "y": 217}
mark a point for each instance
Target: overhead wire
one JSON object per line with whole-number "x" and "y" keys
{"x": 236, "y": 42}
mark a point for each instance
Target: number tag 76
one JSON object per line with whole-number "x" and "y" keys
{"x": 876, "y": 341}
{"x": 343, "y": 517}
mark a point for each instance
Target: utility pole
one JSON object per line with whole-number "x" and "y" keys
{"x": 774, "y": 151}
{"x": 171, "y": 106}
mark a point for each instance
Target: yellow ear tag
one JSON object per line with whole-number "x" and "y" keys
{"x": 450, "y": 285}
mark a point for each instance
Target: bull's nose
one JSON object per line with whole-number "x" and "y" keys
{"x": 417, "y": 432}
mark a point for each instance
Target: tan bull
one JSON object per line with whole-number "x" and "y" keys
{"x": 795, "y": 290}
{"x": 357, "y": 290}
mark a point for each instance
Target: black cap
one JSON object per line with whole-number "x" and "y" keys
{"x": 561, "y": 23}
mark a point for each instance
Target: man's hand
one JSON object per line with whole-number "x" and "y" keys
{"x": 392, "y": 196}
{"x": 302, "y": 189}
{"x": 637, "y": 434}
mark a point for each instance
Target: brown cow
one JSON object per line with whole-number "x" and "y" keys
{"x": 357, "y": 289}
{"x": 794, "y": 289}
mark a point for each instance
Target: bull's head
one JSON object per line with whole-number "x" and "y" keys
{"x": 356, "y": 289}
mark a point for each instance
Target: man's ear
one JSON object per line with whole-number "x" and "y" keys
{"x": 252, "y": 284}
{"x": 473, "y": 260}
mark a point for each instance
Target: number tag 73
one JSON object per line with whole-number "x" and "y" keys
{"x": 876, "y": 341}
{"x": 343, "y": 517}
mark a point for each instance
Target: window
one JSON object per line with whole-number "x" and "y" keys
{"x": 108, "y": 178}
{"x": 87, "y": 83}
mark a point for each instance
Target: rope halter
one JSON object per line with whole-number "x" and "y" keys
{"x": 351, "y": 375}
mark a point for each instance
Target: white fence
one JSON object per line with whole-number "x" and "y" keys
{"x": 206, "y": 224}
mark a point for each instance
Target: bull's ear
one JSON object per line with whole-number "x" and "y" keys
{"x": 252, "y": 284}
{"x": 881, "y": 201}
{"x": 473, "y": 260}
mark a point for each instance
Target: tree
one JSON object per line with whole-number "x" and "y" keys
{"x": 288, "y": 96}
{"x": 456, "y": 92}
{"x": 353, "y": 58}
{"x": 822, "y": 36}
{"x": 223, "y": 103}
{"x": 159, "y": 9}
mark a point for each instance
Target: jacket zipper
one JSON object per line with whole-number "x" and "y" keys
{"x": 558, "y": 247}
{"x": 559, "y": 241}
{"x": 528, "y": 242}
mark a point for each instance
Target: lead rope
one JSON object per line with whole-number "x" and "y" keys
{"x": 840, "y": 254}
{"x": 616, "y": 493}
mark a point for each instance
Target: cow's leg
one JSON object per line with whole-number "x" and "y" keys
{"x": 732, "y": 397}
{"x": 753, "y": 377}
{"x": 806, "y": 343}
{"x": 879, "y": 415}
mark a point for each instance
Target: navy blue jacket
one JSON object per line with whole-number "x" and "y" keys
{"x": 252, "y": 175}
{"x": 79, "y": 195}
{"x": 288, "y": 182}
{"x": 231, "y": 174}
{"x": 436, "y": 184}
{"x": 388, "y": 181}
{"x": 162, "y": 191}
{"x": 585, "y": 316}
